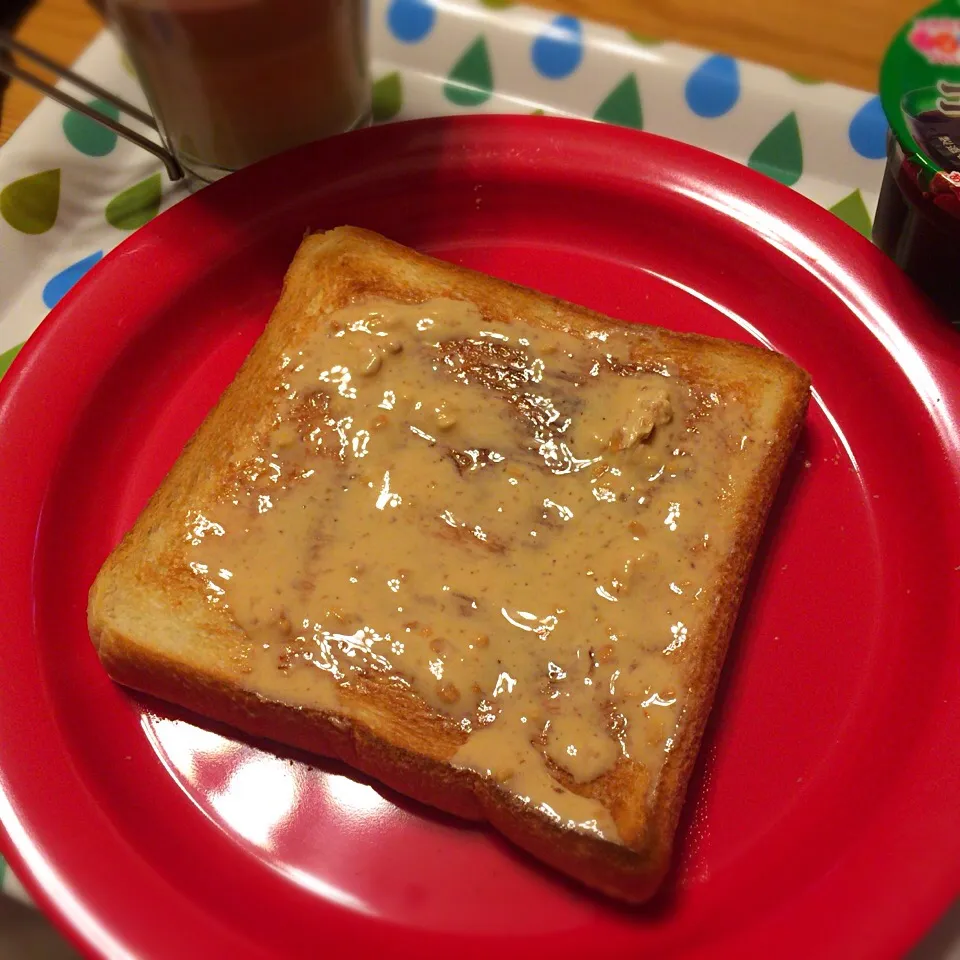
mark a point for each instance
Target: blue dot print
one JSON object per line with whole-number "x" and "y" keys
{"x": 411, "y": 20}
{"x": 868, "y": 130}
{"x": 557, "y": 52}
{"x": 58, "y": 286}
{"x": 714, "y": 87}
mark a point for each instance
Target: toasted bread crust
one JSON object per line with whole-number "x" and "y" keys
{"x": 405, "y": 744}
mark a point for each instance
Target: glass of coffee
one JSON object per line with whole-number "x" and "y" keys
{"x": 233, "y": 81}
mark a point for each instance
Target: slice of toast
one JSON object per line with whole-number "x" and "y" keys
{"x": 483, "y": 545}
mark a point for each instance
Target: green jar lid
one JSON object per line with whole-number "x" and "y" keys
{"x": 920, "y": 91}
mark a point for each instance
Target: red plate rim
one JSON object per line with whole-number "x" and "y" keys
{"x": 858, "y": 274}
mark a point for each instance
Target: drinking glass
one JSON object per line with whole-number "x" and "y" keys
{"x": 233, "y": 81}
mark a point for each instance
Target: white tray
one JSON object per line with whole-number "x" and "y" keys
{"x": 433, "y": 58}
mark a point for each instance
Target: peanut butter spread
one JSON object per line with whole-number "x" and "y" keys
{"x": 518, "y": 525}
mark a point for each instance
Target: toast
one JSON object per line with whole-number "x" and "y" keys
{"x": 481, "y": 544}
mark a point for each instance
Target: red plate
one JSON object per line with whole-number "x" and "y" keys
{"x": 823, "y": 818}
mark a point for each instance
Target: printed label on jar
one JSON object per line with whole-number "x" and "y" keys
{"x": 937, "y": 39}
{"x": 920, "y": 89}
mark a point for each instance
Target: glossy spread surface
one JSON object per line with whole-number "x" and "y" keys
{"x": 517, "y": 524}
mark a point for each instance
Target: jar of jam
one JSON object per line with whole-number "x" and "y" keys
{"x": 918, "y": 216}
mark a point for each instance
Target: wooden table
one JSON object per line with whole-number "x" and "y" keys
{"x": 839, "y": 40}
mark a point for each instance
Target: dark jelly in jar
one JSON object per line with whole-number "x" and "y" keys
{"x": 918, "y": 216}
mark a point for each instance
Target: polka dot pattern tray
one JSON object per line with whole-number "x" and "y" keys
{"x": 70, "y": 190}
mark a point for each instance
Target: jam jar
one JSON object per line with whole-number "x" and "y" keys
{"x": 918, "y": 216}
